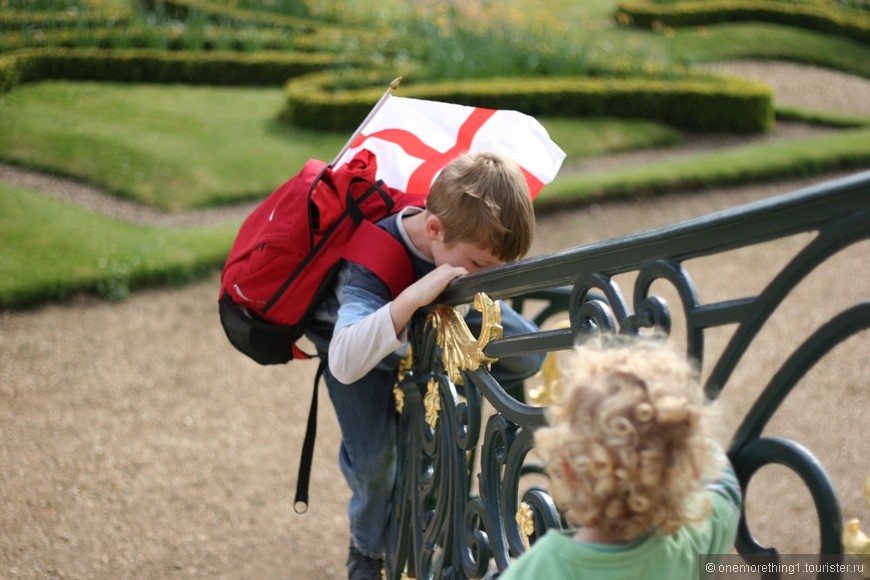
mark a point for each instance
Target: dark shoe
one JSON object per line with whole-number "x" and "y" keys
{"x": 361, "y": 567}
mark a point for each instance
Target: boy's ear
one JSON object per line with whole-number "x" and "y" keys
{"x": 434, "y": 228}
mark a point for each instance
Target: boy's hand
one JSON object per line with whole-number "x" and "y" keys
{"x": 426, "y": 289}
{"x": 421, "y": 293}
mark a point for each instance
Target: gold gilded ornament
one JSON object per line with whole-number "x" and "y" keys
{"x": 460, "y": 351}
{"x": 545, "y": 388}
{"x": 855, "y": 541}
{"x": 404, "y": 368}
{"x": 432, "y": 403}
{"x": 525, "y": 522}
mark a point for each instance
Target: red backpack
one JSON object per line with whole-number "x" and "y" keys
{"x": 287, "y": 254}
{"x": 288, "y": 250}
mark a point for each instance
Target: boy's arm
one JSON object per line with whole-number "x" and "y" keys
{"x": 727, "y": 503}
{"x": 725, "y": 483}
{"x": 356, "y": 349}
{"x": 421, "y": 293}
{"x": 368, "y": 330}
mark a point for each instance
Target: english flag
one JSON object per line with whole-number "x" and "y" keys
{"x": 414, "y": 139}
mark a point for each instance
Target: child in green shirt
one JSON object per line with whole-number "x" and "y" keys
{"x": 632, "y": 463}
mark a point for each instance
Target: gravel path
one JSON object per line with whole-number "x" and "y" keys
{"x": 135, "y": 443}
{"x": 806, "y": 87}
{"x": 94, "y": 199}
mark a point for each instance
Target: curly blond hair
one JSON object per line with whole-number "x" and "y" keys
{"x": 627, "y": 448}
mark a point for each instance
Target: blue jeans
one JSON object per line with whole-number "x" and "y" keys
{"x": 367, "y": 417}
{"x": 367, "y": 458}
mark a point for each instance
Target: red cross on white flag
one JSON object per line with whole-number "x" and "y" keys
{"x": 414, "y": 139}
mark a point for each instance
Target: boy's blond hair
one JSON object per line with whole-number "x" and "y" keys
{"x": 483, "y": 199}
{"x": 626, "y": 450}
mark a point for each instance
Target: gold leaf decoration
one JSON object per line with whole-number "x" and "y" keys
{"x": 404, "y": 368}
{"x": 432, "y": 403}
{"x": 460, "y": 350}
{"x": 525, "y": 522}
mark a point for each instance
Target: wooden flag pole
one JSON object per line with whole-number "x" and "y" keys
{"x": 393, "y": 86}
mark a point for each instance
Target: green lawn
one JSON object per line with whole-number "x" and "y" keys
{"x": 180, "y": 147}
{"x": 172, "y": 147}
{"x": 52, "y": 249}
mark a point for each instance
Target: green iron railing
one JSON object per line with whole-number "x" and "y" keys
{"x": 465, "y": 441}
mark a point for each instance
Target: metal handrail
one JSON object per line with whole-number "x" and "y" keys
{"x": 453, "y": 518}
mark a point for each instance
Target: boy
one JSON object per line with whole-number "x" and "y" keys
{"x": 478, "y": 214}
{"x": 631, "y": 461}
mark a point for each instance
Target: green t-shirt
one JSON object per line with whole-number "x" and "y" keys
{"x": 557, "y": 556}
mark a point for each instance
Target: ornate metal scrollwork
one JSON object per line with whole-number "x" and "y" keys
{"x": 598, "y": 304}
{"x": 460, "y": 351}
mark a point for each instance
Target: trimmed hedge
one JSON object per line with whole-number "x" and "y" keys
{"x": 141, "y": 37}
{"x": 173, "y": 39}
{"x": 336, "y": 102}
{"x": 15, "y": 20}
{"x": 227, "y": 14}
{"x": 313, "y": 34}
{"x": 854, "y": 24}
{"x": 108, "y": 26}
{"x": 9, "y": 75}
{"x": 158, "y": 66}
{"x": 319, "y": 101}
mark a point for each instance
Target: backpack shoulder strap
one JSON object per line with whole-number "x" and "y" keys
{"x": 300, "y": 502}
{"x": 384, "y": 255}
